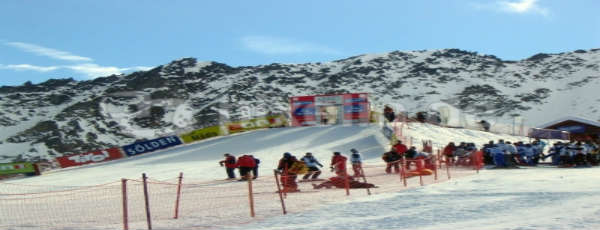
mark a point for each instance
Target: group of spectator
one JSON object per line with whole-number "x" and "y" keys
{"x": 458, "y": 154}
{"x": 398, "y": 152}
{"x": 574, "y": 153}
{"x": 245, "y": 164}
{"x": 504, "y": 154}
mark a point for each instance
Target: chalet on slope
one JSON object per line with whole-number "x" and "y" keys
{"x": 579, "y": 128}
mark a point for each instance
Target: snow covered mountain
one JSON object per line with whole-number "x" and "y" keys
{"x": 67, "y": 116}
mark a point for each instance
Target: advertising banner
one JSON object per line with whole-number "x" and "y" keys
{"x": 356, "y": 108}
{"x": 352, "y": 107}
{"x": 277, "y": 121}
{"x": 201, "y": 134}
{"x": 303, "y": 110}
{"x": 16, "y": 168}
{"x": 257, "y": 123}
{"x": 89, "y": 157}
{"x": 151, "y": 145}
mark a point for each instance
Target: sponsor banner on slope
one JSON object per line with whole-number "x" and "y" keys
{"x": 15, "y": 168}
{"x": 201, "y": 134}
{"x": 257, "y": 123}
{"x": 151, "y": 145}
{"x": 89, "y": 157}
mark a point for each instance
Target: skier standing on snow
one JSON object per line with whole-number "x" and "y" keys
{"x": 338, "y": 164}
{"x": 230, "y": 165}
{"x": 312, "y": 163}
{"x": 246, "y": 164}
{"x": 356, "y": 161}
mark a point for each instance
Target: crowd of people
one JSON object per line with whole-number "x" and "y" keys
{"x": 289, "y": 167}
{"x": 574, "y": 153}
{"x": 504, "y": 154}
{"x": 410, "y": 155}
{"x": 500, "y": 154}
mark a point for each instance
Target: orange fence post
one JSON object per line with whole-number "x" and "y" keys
{"x": 178, "y": 196}
{"x": 147, "y": 201}
{"x": 124, "y": 196}
{"x": 250, "y": 196}
{"x": 279, "y": 191}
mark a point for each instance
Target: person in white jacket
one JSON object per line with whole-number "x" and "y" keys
{"x": 356, "y": 160}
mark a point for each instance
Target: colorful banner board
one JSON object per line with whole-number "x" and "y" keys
{"x": 89, "y": 157}
{"x": 201, "y": 134}
{"x": 353, "y": 106}
{"x": 151, "y": 145}
{"x": 16, "y": 168}
{"x": 257, "y": 123}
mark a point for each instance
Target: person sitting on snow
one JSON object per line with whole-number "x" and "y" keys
{"x": 340, "y": 182}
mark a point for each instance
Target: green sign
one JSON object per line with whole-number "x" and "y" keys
{"x": 15, "y": 168}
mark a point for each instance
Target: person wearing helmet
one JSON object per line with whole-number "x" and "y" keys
{"x": 312, "y": 163}
{"x": 288, "y": 179}
{"x": 356, "y": 161}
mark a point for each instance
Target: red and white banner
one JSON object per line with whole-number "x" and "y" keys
{"x": 90, "y": 157}
{"x": 354, "y": 106}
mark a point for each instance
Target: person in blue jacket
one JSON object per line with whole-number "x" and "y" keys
{"x": 312, "y": 163}
{"x": 498, "y": 156}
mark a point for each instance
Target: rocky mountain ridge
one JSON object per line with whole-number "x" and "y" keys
{"x": 63, "y": 116}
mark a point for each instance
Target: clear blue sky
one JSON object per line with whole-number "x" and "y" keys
{"x": 84, "y": 39}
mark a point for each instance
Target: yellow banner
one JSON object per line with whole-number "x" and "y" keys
{"x": 201, "y": 134}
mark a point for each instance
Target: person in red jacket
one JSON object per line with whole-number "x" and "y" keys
{"x": 400, "y": 148}
{"x": 246, "y": 163}
{"x": 338, "y": 164}
{"x": 449, "y": 153}
{"x": 230, "y": 165}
